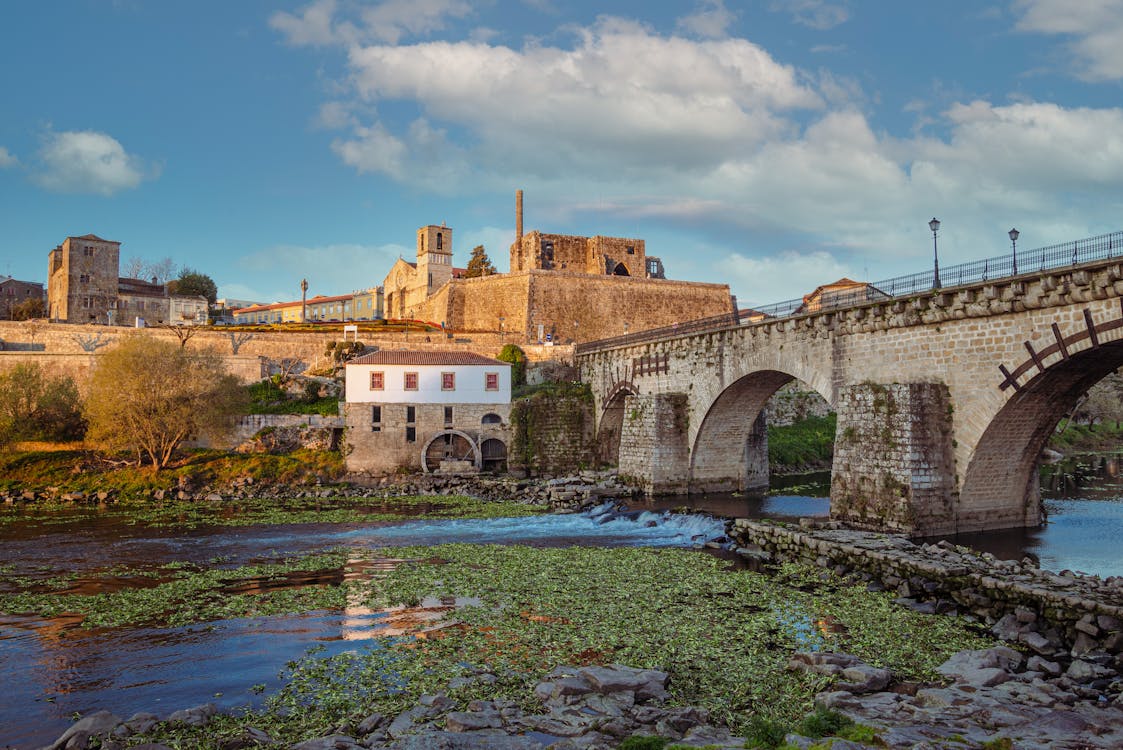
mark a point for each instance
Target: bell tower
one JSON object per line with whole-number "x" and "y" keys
{"x": 434, "y": 256}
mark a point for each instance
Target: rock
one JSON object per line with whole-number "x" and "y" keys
{"x": 405, "y": 722}
{"x": 863, "y": 678}
{"x": 370, "y": 723}
{"x": 77, "y": 737}
{"x": 249, "y": 737}
{"x": 1037, "y": 664}
{"x": 465, "y": 741}
{"x": 470, "y": 721}
{"x": 198, "y": 716}
{"x": 1037, "y": 642}
{"x": 647, "y": 684}
{"x": 334, "y": 742}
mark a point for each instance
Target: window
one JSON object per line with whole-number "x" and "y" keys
{"x": 491, "y": 381}
{"x": 83, "y": 278}
{"x": 491, "y": 419}
{"x": 411, "y": 414}
{"x": 376, "y": 419}
{"x": 448, "y": 415}
{"x": 411, "y": 434}
{"x": 411, "y": 382}
{"x": 377, "y": 382}
{"x": 448, "y": 381}
{"x": 88, "y": 251}
{"x": 440, "y": 240}
{"x": 630, "y": 250}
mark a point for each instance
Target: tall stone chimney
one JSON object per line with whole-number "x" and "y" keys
{"x": 518, "y": 217}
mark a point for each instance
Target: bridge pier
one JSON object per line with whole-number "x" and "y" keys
{"x": 894, "y": 461}
{"x": 654, "y": 447}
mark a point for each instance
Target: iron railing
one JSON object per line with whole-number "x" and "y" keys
{"x": 1064, "y": 255}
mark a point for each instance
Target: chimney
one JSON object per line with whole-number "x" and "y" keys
{"x": 518, "y": 216}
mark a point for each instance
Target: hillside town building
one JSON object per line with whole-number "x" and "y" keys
{"x": 14, "y": 292}
{"x": 83, "y": 286}
{"x": 439, "y": 411}
{"x": 365, "y": 304}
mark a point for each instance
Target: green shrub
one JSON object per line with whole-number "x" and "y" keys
{"x": 517, "y": 357}
{"x": 765, "y": 733}
{"x": 34, "y": 406}
{"x": 823, "y": 723}
{"x": 804, "y": 445}
{"x": 640, "y": 742}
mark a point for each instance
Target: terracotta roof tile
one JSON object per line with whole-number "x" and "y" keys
{"x": 398, "y": 357}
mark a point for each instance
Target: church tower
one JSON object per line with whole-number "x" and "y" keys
{"x": 434, "y": 256}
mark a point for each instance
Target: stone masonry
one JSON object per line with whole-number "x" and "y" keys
{"x": 1012, "y": 355}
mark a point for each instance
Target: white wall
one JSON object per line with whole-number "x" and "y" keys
{"x": 469, "y": 384}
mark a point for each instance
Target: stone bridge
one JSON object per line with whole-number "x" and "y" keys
{"x": 945, "y": 398}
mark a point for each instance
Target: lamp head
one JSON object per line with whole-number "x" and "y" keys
{"x": 934, "y": 225}
{"x": 1013, "y": 235}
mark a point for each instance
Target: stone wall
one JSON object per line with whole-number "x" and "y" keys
{"x": 893, "y": 464}
{"x": 653, "y": 450}
{"x": 386, "y": 447}
{"x": 571, "y": 306}
{"x": 552, "y": 433}
{"x": 795, "y": 403}
{"x": 1058, "y": 616}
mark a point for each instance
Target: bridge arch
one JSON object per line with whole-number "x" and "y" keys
{"x": 730, "y": 450}
{"x": 1001, "y": 487}
{"x": 611, "y": 423}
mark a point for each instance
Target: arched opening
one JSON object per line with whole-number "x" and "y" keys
{"x": 493, "y": 454}
{"x": 491, "y": 418}
{"x": 620, "y": 270}
{"x": 1001, "y": 487}
{"x": 730, "y": 450}
{"x": 450, "y": 450}
{"x": 611, "y": 425}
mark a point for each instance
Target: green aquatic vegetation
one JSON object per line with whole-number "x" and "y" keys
{"x": 191, "y": 595}
{"x": 724, "y": 636}
{"x": 254, "y": 512}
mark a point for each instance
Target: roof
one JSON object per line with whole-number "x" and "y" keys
{"x": 399, "y": 357}
{"x": 92, "y": 237}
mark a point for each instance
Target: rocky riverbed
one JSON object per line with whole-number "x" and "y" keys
{"x": 991, "y": 698}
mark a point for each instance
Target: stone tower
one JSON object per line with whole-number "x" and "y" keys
{"x": 434, "y": 256}
{"x": 82, "y": 280}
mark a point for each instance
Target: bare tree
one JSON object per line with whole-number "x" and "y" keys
{"x": 237, "y": 339}
{"x": 91, "y": 343}
{"x": 162, "y": 270}
{"x": 133, "y": 268}
{"x": 285, "y": 367}
{"x": 183, "y": 333}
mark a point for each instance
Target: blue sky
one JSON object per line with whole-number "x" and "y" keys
{"x": 771, "y": 145}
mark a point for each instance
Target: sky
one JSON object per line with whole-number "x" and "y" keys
{"x": 772, "y": 145}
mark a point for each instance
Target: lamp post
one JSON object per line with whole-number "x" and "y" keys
{"x": 934, "y": 225}
{"x": 304, "y": 300}
{"x": 1014, "y": 242}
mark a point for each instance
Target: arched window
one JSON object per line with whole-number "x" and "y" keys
{"x": 440, "y": 240}
{"x": 491, "y": 418}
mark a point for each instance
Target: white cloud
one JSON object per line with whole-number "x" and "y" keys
{"x": 88, "y": 162}
{"x": 816, "y": 14}
{"x": 322, "y": 23}
{"x": 787, "y": 275}
{"x": 1095, "y": 27}
{"x": 7, "y": 159}
{"x": 711, "y": 20}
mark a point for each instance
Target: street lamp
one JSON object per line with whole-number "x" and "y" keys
{"x": 1014, "y": 241}
{"x": 934, "y": 225}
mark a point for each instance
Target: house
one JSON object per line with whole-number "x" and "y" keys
{"x": 840, "y": 293}
{"x": 438, "y": 411}
{"x": 14, "y": 292}
{"x": 365, "y": 304}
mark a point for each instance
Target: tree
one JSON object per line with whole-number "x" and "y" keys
{"x": 161, "y": 270}
{"x": 32, "y": 307}
{"x": 34, "y": 406}
{"x": 192, "y": 283}
{"x": 133, "y": 268}
{"x": 148, "y": 395}
{"x": 517, "y": 357}
{"x": 479, "y": 264}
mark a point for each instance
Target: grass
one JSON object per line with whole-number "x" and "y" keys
{"x": 80, "y": 470}
{"x": 724, "y": 636}
{"x": 1082, "y": 437}
{"x": 266, "y": 397}
{"x": 804, "y": 446}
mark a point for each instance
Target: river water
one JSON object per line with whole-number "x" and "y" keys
{"x": 55, "y": 668}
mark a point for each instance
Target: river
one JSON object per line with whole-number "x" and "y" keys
{"x": 57, "y": 669}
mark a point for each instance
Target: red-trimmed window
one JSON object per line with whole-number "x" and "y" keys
{"x": 377, "y": 381}
{"x": 491, "y": 381}
{"x": 411, "y": 381}
{"x": 448, "y": 381}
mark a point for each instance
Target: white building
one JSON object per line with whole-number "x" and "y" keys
{"x": 437, "y": 411}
